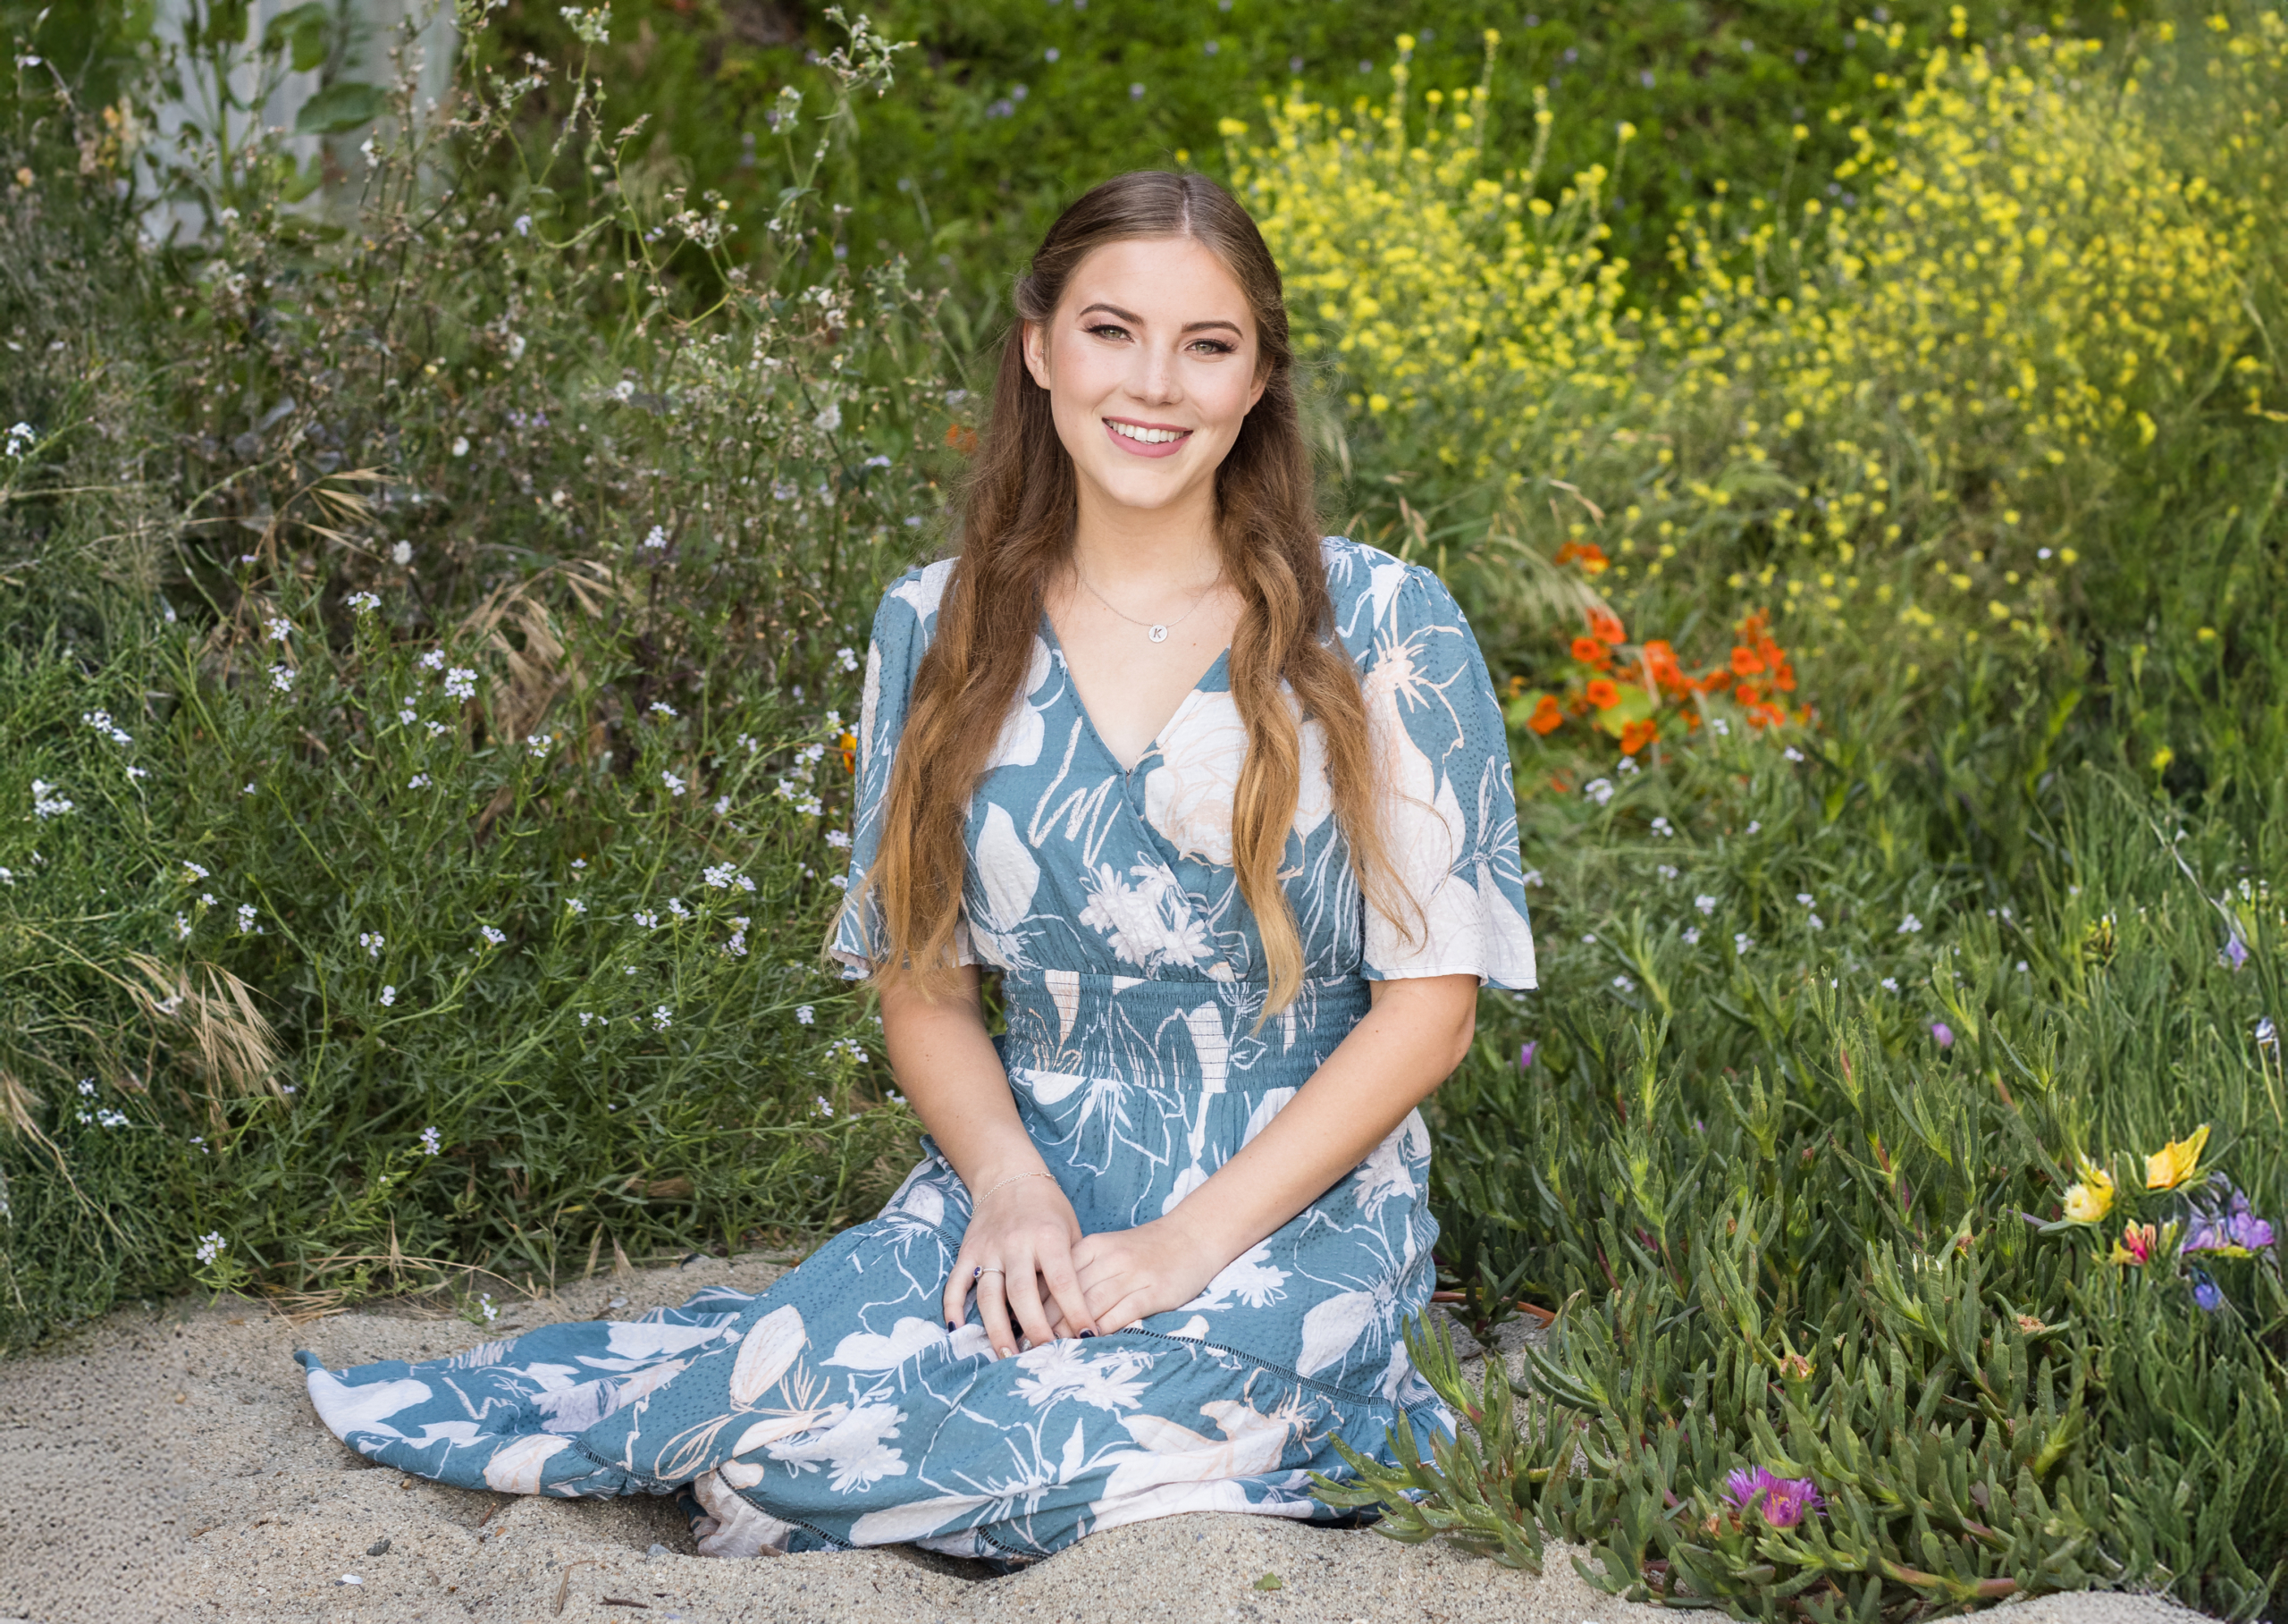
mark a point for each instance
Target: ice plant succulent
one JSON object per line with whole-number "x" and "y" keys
{"x": 2136, "y": 1246}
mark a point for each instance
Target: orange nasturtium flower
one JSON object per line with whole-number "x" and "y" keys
{"x": 1637, "y": 734}
{"x": 1587, "y": 554}
{"x": 1745, "y": 662}
{"x": 1605, "y": 627}
{"x": 1588, "y": 650}
{"x": 1603, "y": 694}
{"x": 1546, "y": 716}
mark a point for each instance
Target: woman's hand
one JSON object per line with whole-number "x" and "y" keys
{"x": 1019, "y": 1245}
{"x": 1128, "y": 1273}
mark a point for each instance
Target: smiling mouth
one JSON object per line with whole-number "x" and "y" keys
{"x": 1143, "y": 435}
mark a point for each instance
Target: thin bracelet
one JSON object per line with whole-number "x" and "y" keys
{"x": 977, "y": 1201}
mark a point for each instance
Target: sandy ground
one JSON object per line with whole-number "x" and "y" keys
{"x": 166, "y": 1465}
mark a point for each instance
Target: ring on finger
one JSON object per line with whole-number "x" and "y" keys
{"x": 978, "y": 1273}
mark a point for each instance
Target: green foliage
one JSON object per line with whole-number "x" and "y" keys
{"x": 433, "y": 641}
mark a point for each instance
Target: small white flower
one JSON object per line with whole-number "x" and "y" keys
{"x": 675, "y": 785}
{"x": 210, "y": 1245}
{"x": 278, "y": 630}
{"x": 660, "y": 1019}
{"x": 586, "y": 1017}
{"x": 837, "y": 839}
{"x": 1890, "y": 983}
{"x": 1627, "y": 765}
{"x": 1754, "y": 826}
{"x": 182, "y": 925}
{"x": 1804, "y": 898}
{"x": 1792, "y": 754}
{"x": 388, "y": 997}
{"x": 840, "y": 882}
{"x": 460, "y": 683}
{"x": 661, "y": 708}
{"x": 824, "y": 1109}
{"x": 420, "y": 780}
{"x": 1741, "y": 943}
{"x": 656, "y": 540}
{"x": 650, "y": 921}
{"x": 460, "y": 445}
{"x": 1667, "y": 870}
{"x": 245, "y": 917}
{"x": 1599, "y": 790}
{"x": 371, "y": 941}
{"x": 1723, "y": 728}
{"x": 579, "y": 864}
{"x": 847, "y": 658}
{"x": 538, "y": 744}
{"x": 575, "y": 905}
{"x": 485, "y": 1304}
{"x": 110, "y": 1119}
{"x": 46, "y": 802}
{"x": 804, "y": 1014}
{"x": 1533, "y": 877}
{"x": 1692, "y": 935}
{"x": 2022, "y": 966}
{"x": 401, "y": 554}
{"x": 1590, "y": 938}
{"x": 720, "y": 876}
{"x": 282, "y": 677}
{"x": 248, "y": 790}
{"x": 1621, "y": 983}
{"x": 434, "y": 661}
{"x": 87, "y": 1085}
{"x": 1664, "y": 829}
{"x": 430, "y": 1143}
{"x": 192, "y": 869}
{"x": 362, "y": 603}
{"x": 493, "y": 937}
{"x": 408, "y": 716}
{"x": 207, "y": 899}
{"x": 524, "y": 225}
{"x": 1818, "y": 923}
{"x": 1705, "y": 903}
{"x": 723, "y": 806}
{"x": 1909, "y": 926}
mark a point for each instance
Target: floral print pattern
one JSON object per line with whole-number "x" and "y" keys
{"x": 834, "y": 1409}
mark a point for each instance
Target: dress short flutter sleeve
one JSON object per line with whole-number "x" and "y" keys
{"x": 1450, "y": 809}
{"x": 902, "y": 626}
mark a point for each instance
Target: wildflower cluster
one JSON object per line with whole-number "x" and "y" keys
{"x": 1638, "y": 693}
{"x": 2204, "y": 1221}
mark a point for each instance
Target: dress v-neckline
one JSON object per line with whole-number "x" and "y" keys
{"x": 1151, "y": 745}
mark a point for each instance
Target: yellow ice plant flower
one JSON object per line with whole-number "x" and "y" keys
{"x": 2175, "y": 1163}
{"x": 2089, "y": 1201}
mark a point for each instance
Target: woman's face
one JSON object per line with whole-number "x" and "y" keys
{"x": 1150, "y": 360}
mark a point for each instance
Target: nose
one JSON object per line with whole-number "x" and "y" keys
{"x": 1154, "y": 380}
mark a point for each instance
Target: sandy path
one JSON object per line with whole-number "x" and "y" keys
{"x": 165, "y": 1465}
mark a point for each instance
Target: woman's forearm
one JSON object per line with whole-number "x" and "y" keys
{"x": 1409, "y": 1042}
{"x": 946, "y": 1062}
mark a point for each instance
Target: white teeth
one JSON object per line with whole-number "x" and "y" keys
{"x": 1149, "y": 436}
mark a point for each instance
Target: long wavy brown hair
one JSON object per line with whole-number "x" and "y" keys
{"x": 1019, "y": 510}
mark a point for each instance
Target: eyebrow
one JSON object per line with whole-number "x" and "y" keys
{"x": 1132, "y": 318}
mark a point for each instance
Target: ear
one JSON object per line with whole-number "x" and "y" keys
{"x": 1036, "y": 347}
{"x": 1262, "y": 378}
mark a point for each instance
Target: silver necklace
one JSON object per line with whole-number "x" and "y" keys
{"x": 1157, "y": 631}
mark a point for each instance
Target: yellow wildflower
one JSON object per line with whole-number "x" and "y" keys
{"x": 2173, "y": 1163}
{"x": 2089, "y": 1201}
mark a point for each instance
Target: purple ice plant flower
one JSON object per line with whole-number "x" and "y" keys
{"x": 2205, "y": 1292}
{"x": 1783, "y": 1502}
{"x": 1944, "y": 1033}
{"x": 2231, "y": 1230}
{"x": 1526, "y": 1055}
{"x": 2235, "y": 952}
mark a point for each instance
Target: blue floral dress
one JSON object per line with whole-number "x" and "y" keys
{"x": 834, "y": 1409}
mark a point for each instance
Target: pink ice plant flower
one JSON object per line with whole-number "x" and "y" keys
{"x": 1783, "y": 1502}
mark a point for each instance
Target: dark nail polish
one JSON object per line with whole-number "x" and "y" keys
{"x": 1088, "y": 1333}
{"x": 949, "y": 1327}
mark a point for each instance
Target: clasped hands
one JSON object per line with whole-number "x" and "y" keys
{"x": 1036, "y": 1274}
